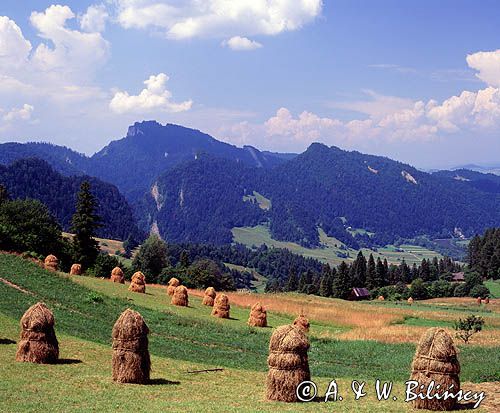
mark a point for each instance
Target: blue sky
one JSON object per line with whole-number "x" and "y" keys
{"x": 417, "y": 81}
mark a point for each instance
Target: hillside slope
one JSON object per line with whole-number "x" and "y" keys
{"x": 35, "y": 178}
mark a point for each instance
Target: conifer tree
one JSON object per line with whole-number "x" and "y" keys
{"x": 292, "y": 283}
{"x": 84, "y": 225}
{"x": 371, "y": 274}
{"x": 342, "y": 283}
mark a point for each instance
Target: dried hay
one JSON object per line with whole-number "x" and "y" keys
{"x": 117, "y": 275}
{"x": 381, "y": 298}
{"x": 302, "y": 322}
{"x": 410, "y": 301}
{"x": 38, "y": 343}
{"x": 172, "y": 285}
{"x": 131, "y": 362}
{"x": 478, "y": 300}
{"x": 221, "y": 306}
{"x": 436, "y": 360}
{"x": 51, "y": 263}
{"x": 180, "y": 296}
{"x": 487, "y": 300}
{"x": 138, "y": 283}
{"x": 209, "y": 296}
{"x": 258, "y": 316}
{"x": 76, "y": 269}
{"x": 288, "y": 363}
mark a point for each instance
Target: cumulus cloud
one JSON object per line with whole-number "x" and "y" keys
{"x": 24, "y": 113}
{"x": 94, "y": 20}
{"x": 241, "y": 43}
{"x": 218, "y": 18}
{"x": 155, "y": 97}
{"x": 488, "y": 66}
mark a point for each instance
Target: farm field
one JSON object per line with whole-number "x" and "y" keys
{"x": 259, "y": 235}
{"x": 345, "y": 346}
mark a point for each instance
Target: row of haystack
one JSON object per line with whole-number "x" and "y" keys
{"x": 435, "y": 358}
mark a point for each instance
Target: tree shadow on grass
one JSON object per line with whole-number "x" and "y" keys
{"x": 161, "y": 382}
{"x": 69, "y": 361}
{"x": 7, "y": 341}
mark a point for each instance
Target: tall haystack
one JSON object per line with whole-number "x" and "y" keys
{"x": 288, "y": 363}
{"x": 302, "y": 322}
{"x": 209, "y": 297}
{"x": 487, "y": 300}
{"x": 221, "y": 306}
{"x": 436, "y": 360}
{"x": 180, "y": 296}
{"x": 138, "y": 283}
{"x": 51, "y": 263}
{"x": 131, "y": 362}
{"x": 410, "y": 301}
{"x": 117, "y": 275}
{"x": 173, "y": 283}
{"x": 381, "y": 298}
{"x": 478, "y": 300}
{"x": 38, "y": 343}
{"x": 258, "y": 316}
{"x": 76, "y": 269}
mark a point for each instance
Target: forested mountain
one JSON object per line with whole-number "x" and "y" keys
{"x": 35, "y": 178}
{"x": 192, "y": 188}
{"x": 484, "y": 254}
{"x": 134, "y": 162}
{"x": 324, "y": 187}
{"x": 486, "y": 182}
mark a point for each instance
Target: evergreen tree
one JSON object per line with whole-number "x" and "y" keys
{"x": 425, "y": 270}
{"x": 325, "y": 286}
{"x": 380, "y": 274}
{"x": 342, "y": 283}
{"x": 371, "y": 274}
{"x": 4, "y": 195}
{"x": 84, "y": 225}
{"x": 292, "y": 283}
{"x": 184, "y": 259}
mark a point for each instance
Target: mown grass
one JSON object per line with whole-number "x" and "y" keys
{"x": 192, "y": 335}
{"x": 494, "y": 287}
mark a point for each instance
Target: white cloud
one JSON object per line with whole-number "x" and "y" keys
{"x": 94, "y": 20}
{"x": 488, "y": 66}
{"x": 241, "y": 44}
{"x": 14, "y": 48}
{"x": 24, "y": 113}
{"x": 155, "y": 97}
{"x": 218, "y": 18}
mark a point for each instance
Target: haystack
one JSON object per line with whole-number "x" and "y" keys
{"x": 221, "y": 306}
{"x": 478, "y": 300}
{"x": 51, "y": 263}
{"x": 436, "y": 360}
{"x": 381, "y": 298}
{"x": 138, "y": 283}
{"x": 76, "y": 269}
{"x": 38, "y": 343}
{"x": 288, "y": 363}
{"x": 180, "y": 296}
{"x": 117, "y": 275}
{"x": 302, "y": 322}
{"x": 410, "y": 301}
{"x": 172, "y": 285}
{"x": 258, "y": 316}
{"x": 131, "y": 362}
{"x": 209, "y": 297}
{"x": 487, "y": 300}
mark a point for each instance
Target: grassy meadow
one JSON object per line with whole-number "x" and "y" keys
{"x": 332, "y": 247}
{"x": 349, "y": 341}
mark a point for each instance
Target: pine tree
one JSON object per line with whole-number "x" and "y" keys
{"x": 371, "y": 274}
{"x": 184, "y": 259}
{"x": 292, "y": 283}
{"x": 359, "y": 265}
{"x": 380, "y": 274}
{"x": 342, "y": 282}
{"x": 84, "y": 225}
{"x": 425, "y": 270}
{"x": 325, "y": 286}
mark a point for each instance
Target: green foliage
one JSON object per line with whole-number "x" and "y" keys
{"x": 84, "y": 224}
{"x": 467, "y": 327}
{"x": 207, "y": 273}
{"x": 104, "y": 264}
{"x": 480, "y": 290}
{"x": 151, "y": 258}
{"x": 484, "y": 254}
{"x": 341, "y": 287}
{"x": 27, "y": 225}
{"x": 418, "y": 290}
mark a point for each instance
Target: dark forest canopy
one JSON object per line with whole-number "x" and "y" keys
{"x": 484, "y": 254}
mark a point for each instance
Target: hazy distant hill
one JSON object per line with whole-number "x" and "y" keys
{"x": 481, "y": 181}
{"x": 35, "y": 178}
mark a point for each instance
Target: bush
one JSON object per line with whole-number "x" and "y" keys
{"x": 467, "y": 327}
{"x": 480, "y": 291}
{"x": 440, "y": 288}
{"x": 461, "y": 290}
{"x": 151, "y": 258}
{"x": 104, "y": 264}
{"x": 418, "y": 290}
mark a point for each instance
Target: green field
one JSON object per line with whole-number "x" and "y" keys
{"x": 332, "y": 248}
{"x": 494, "y": 287}
{"x": 181, "y": 339}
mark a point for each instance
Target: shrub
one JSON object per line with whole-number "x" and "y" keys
{"x": 480, "y": 291}
{"x": 151, "y": 258}
{"x": 467, "y": 327}
{"x": 418, "y": 290}
{"x": 104, "y": 264}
